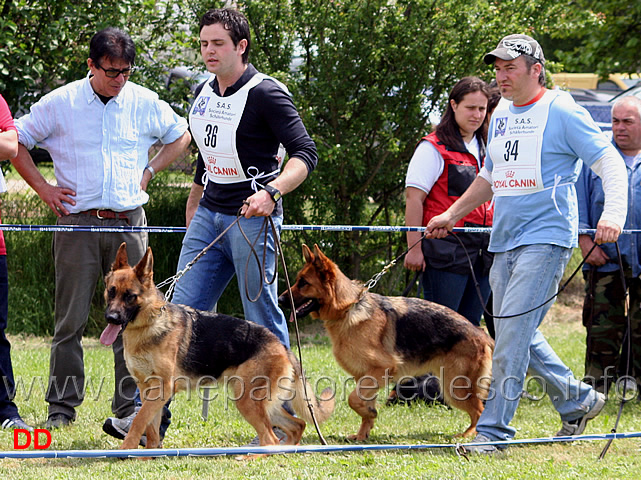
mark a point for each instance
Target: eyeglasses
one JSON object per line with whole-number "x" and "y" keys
{"x": 114, "y": 72}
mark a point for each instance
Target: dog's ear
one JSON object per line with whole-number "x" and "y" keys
{"x": 121, "y": 260}
{"x": 145, "y": 268}
{"x": 307, "y": 254}
{"x": 321, "y": 262}
{"x": 320, "y": 256}
{"x": 324, "y": 266}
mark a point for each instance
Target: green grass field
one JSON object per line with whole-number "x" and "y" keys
{"x": 418, "y": 424}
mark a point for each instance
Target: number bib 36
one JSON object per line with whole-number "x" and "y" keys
{"x": 515, "y": 148}
{"x": 214, "y": 121}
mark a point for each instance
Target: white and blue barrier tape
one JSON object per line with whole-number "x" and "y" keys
{"x": 9, "y": 227}
{"x": 288, "y": 449}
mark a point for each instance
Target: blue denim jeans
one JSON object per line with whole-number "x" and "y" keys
{"x": 202, "y": 286}
{"x": 457, "y": 291}
{"x": 521, "y": 279}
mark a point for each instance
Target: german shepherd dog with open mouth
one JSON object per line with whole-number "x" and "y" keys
{"x": 378, "y": 339}
{"x": 169, "y": 348}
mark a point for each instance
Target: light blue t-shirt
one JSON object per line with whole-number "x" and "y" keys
{"x": 570, "y": 134}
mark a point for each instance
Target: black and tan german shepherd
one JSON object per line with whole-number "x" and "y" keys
{"x": 169, "y": 348}
{"x": 378, "y": 339}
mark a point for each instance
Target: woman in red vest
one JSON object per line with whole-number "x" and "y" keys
{"x": 444, "y": 164}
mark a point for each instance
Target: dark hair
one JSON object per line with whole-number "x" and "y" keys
{"x": 530, "y": 62}
{"x": 234, "y": 22}
{"x": 494, "y": 98}
{"x": 448, "y": 131}
{"x": 112, "y": 43}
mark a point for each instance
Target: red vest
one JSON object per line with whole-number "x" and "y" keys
{"x": 459, "y": 171}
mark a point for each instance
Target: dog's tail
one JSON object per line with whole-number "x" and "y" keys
{"x": 305, "y": 400}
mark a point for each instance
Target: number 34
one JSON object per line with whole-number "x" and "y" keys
{"x": 511, "y": 150}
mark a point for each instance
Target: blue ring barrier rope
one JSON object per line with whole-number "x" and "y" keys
{"x": 273, "y": 449}
{"x": 287, "y": 449}
{"x": 9, "y": 227}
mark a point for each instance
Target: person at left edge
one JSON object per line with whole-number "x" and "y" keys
{"x": 9, "y": 416}
{"x": 98, "y": 131}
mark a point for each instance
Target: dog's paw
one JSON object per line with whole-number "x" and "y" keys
{"x": 129, "y": 445}
{"x": 245, "y": 458}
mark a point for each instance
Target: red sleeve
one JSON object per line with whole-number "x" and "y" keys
{"x": 6, "y": 120}
{"x": 6, "y": 123}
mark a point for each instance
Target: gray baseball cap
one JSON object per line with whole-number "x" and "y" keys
{"x": 513, "y": 46}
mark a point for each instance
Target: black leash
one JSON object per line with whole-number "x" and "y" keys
{"x": 310, "y": 406}
{"x": 173, "y": 279}
{"x": 371, "y": 283}
{"x": 374, "y": 280}
{"x": 478, "y": 288}
{"x": 627, "y": 341}
{"x": 264, "y": 230}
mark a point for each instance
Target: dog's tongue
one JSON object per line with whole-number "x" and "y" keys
{"x": 109, "y": 334}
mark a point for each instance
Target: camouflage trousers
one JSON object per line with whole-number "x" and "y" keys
{"x": 604, "y": 317}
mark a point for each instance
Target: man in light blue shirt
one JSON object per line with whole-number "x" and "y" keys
{"x": 534, "y": 144}
{"x": 98, "y": 131}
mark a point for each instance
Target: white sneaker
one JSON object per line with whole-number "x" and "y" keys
{"x": 16, "y": 422}
{"x": 119, "y": 427}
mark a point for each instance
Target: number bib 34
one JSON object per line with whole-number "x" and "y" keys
{"x": 515, "y": 148}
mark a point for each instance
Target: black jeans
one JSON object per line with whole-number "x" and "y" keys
{"x": 8, "y": 409}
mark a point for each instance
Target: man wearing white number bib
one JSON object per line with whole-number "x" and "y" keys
{"x": 243, "y": 123}
{"x": 534, "y": 145}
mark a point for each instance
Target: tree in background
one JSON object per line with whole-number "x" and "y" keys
{"x": 608, "y": 34}
{"x": 366, "y": 75}
{"x": 45, "y": 43}
{"x": 371, "y": 73}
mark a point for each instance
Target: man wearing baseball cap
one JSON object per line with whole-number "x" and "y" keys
{"x": 535, "y": 141}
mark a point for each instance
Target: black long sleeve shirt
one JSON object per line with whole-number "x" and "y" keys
{"x": 269, "y": 119}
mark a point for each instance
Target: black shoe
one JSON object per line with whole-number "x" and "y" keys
{"x": 58, "y": 420}
{"x": 16, "y": 422}
{"x": 426, "y": 388}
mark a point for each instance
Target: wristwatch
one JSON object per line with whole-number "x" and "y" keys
{"x": 151, "y": 170}
{"x": 273, "y": 192}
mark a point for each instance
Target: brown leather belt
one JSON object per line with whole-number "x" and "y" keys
{"x": 107, "y": 214}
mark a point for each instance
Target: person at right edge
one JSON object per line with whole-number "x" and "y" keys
{"x": 604, "y": 310}
{"x": 535, "y": 142}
